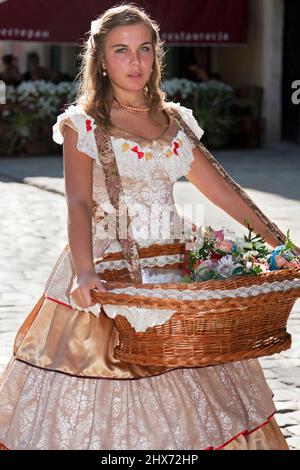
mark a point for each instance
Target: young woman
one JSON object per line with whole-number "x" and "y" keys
{"x": 63, "y": 388}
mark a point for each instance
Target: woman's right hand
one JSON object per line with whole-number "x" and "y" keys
{"x": 81, "y": 288}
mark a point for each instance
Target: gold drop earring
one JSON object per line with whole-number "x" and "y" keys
{"x": 146, "y": 88}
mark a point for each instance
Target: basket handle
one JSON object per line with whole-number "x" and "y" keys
{"x": 116, "y": 194}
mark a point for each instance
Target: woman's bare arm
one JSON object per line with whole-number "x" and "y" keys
{"x": 78, "y": 172}
{"x": 207, "y": 179}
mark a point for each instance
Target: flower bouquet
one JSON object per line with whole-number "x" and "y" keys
{"x": 218, "y": 254}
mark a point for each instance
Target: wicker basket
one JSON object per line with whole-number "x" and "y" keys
{"x": 214, "y": 322}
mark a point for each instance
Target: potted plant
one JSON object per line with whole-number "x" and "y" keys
{"x": 29, "y": 114}
{"x": 181, "y": 90}
{"x": 215, "y": 113}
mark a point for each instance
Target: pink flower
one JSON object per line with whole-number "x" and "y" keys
{"x": 205, "y": 264}
{"x": 219, "y": 234}
{"x": 263, "y": 267}
{"x": 225, "y": 245}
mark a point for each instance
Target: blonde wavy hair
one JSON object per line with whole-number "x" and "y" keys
{"x": 95, "y": 92}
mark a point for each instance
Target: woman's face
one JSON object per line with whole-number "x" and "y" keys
{"x": 128, "y": 56}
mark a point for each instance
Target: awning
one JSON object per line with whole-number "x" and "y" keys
{"x": 182, "y": 22}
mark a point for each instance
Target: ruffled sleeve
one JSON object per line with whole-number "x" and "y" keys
{"x": 188, "y": 116}
{"x": 181, "y": 166}
{"x": 76, "y": 117}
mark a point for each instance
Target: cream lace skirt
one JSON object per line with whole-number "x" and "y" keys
{"x": 204, "y": 408}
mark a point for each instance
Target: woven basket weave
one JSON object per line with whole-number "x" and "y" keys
{"x": 248, "y": 322}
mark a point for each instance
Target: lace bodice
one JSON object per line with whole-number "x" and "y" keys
{"x": 148, "y": 172}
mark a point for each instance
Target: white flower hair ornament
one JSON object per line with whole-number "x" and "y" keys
{"x": 94, "y": 27}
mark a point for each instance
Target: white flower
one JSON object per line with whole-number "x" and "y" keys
{"x": 250, "y": 255}
{"x": 226, "y": 261}
{"x": 179, "y": 85}
{"x": 95, "y": 27}
{"x": 214, "y": 85}
{"x": 228, "y": 234}
{"x": 196, "y": 236}
{"x": 259, "y": 245}
{"x": 41, "y": 97}
{"x": 226, "y": 266}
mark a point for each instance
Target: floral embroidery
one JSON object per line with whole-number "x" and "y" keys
{"x": 176, "y": 403}
{"x": 138, "y": 152}
{"x": 144, "y": 145}
{"x": 175, "y": 147}
{"x": 88, "y": 125}
{"x": 125, "y": 147}
{"x": 156, "y": 157}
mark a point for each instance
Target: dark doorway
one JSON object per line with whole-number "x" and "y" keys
{"x": 195, "y": 63}
{"x": 291, "y": 71}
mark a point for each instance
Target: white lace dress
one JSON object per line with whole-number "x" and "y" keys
{"x": 63, "y": 388}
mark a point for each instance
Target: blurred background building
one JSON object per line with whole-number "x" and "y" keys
{"x": 251, "y": 45}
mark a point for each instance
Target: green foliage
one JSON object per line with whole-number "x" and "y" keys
{"x": 214, "y": 113}
{"x": 289, "y": 245}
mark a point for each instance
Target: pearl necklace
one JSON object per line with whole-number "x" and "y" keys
{"x": 130, "y": 108}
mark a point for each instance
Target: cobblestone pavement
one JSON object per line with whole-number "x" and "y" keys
{"x": 31, "y": 237}
{"x": 33, "y": 232}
